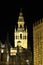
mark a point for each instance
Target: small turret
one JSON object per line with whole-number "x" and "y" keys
{"x": 15, "y": 29}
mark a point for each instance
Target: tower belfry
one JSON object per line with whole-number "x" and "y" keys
{"x": 20, "y": 34}
{"x": 20, "y": 19}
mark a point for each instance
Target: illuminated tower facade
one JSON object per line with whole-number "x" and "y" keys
{"x": 38, "y": 43}
{"x": 20, "y": 34}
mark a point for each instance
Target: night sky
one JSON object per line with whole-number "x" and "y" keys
{"x": 9, "y": 12}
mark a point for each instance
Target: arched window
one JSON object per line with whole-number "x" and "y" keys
{"x": 20, "y": 26}
{"x": 24, "y": 37}
{"x": 17, "y": 37}
{"x": 20, "y": 36}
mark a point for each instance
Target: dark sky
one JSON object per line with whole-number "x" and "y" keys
{"x": 9, "y": 11}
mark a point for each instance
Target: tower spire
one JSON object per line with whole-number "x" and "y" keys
{"x": 20, "y": 19}
{"x": 21, "y": 14}
{"x": 21, "y": 9}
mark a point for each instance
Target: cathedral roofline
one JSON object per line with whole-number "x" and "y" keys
{"x": 36, "y": 24}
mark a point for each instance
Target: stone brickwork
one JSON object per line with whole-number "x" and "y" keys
{"x": 38, "y": 43}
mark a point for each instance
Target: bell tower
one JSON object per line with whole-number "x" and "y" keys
{"x": 20, "y": 34}
{"x": 20, "y": 20}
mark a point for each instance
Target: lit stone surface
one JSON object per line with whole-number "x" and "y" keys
{"x": 2, "y": 50}
{"x": 20, "y": 35}
{"x": 13, "y": 51}
{"x": 38, "y": 43}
